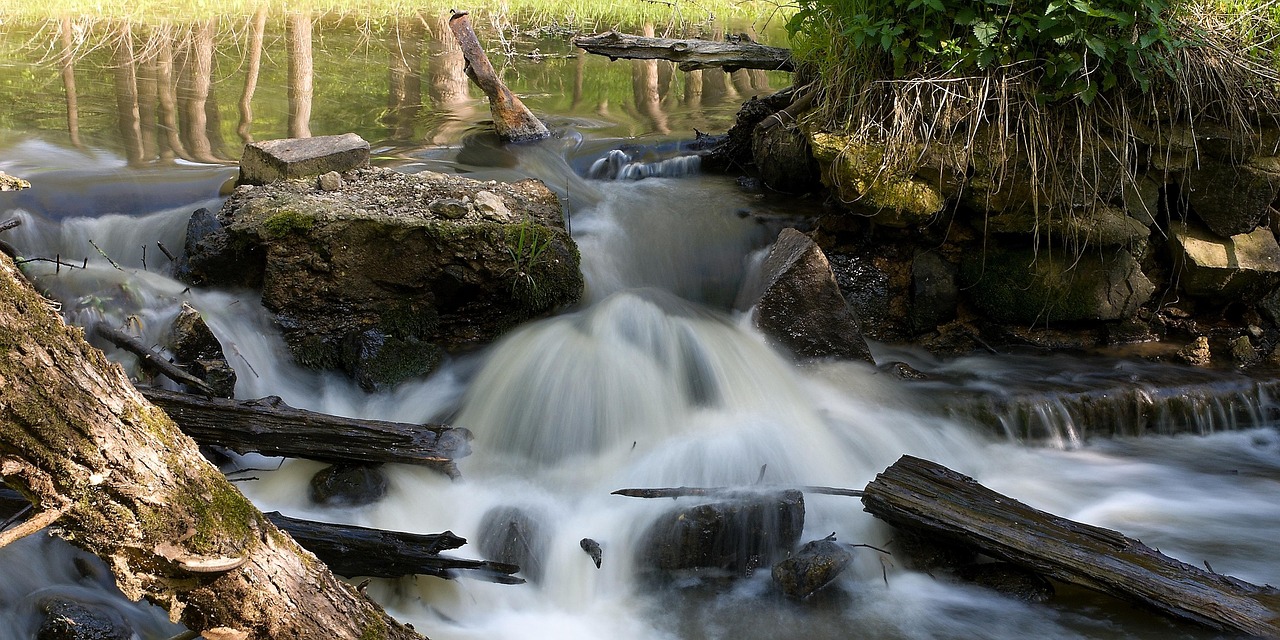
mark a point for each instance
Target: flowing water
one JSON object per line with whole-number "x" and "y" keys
{"x": 657, "y": 380}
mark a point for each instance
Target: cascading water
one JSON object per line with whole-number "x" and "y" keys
{"x": 655, "y": 382}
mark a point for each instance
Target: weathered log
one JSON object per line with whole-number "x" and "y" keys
{"x": 690, "y": 55}
{"x": 353, "y": 551}
{"x": 512, "y": 120}
{"x": 150, "y": 358}
{"x": 77, "y": 439}
{"x": 271, "y": 427}
{"x": 921, "y": 495}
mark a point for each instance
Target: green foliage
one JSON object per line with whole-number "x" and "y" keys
{"x": 1075, "y": 48}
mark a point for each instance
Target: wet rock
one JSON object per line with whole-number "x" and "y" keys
{"x": 1009, "y": 579}
{"x": 592, "y": 549}
{"x": 510, "y": 535}
{"x": 1225, "y": 269}
{"x": 348, "y": 485}
{"x": 271, "y": 160}
{"x": 1230, "y": 200}
{"x": 1242, "y": 351}
{"x": 1023, "y": 286}
{"x": 738, "y": 535}
{"x": 195, "y": 347}
{"x": 372, "y": 281}
{"x": 928, "y": 553}
{"x": 750, "y": 184}
{"x": 799, "y": 304}
{"x": 812, "y": 567}
{"x": 12, "y": 183}
{"x": 331, "y": 181}
{"x": 904, "y": 371}
{"x": 866, "y": 288}
{"x": 783, "y": 158}
{"x": 854, "y": 174}
{"x": 1197, "y": 353}
{"x": 934, "y": 292}
{"x": 70, "y": 620}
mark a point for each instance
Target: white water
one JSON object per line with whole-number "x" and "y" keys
{"x": 653, "y": 382}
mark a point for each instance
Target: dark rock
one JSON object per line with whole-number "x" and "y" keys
{"x": 934, "y": 292}
{"x": 1243, "y": 351}
{"x": 349, "y": 485}
{"x": 739, "y": 536}
{"x": 271, "y": 160}
{"x": 904, "y": 371}
{"x": 195, "y": 347}
{"x": 928, "y": 553}
{"x": 1225, "y": 269}
{"x": 734, "y": 149}
{"x": 783, "y": 159}
{"x": 209, "y": 256}
{"x": 1009, "y": 579}
{"x": 70, "y": 620}
{"x": 1024, "y": 286}
{"x": 1141, "y": 198}
{"x": 373, "y": 281}
{"x": 510, "y": 535}
{"x": 799, "y": 304}
{"x": 1230, "y": 200}
{"x": 592, "y": 548}
{"x": 750, "y": 184}
{"x": 813, "y": 567}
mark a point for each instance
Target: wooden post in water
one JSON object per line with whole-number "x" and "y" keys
{"x": 512, "y": 120}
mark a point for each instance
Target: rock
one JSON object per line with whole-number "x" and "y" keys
{"x": 511, "y": 535}
{"x": 934, "y": 292}
{"x": 196, "y": 348}
{"x": 593, "y": 550}
{"x": 12, "y": 183}
{"x": 450, "y": 208}
{"x": 348, "y": 485}
{"x": 1225, "y": 269}
{"x": 1197, "y": 353}
{"x": 929, "y": 553}
{"x": 1023, "y": 286}
{"x": 331, "y": 181}
{"x": 271, "y": 160}
{"x": 1242, "y": 351}
{"x": 734, "y": 149}
{"x": 868, "y": 291}
{"x": 855, "y": 174}
{"x": 738, "y": 535}
{"x": 782, "y": 156}
{"x": 1100, "y": 225}
{"x": 1230, "y": 200}
{"x": 1269, "y": 306}
{"x": 371, "y": 281}
{"x": 491, "y": 206}
{"x": 799, "y": 305}
{"x": 813, "y": 567}
{"x": 1009, "y": 579}
{"x": 1141, "y": 198}
{"x": 904, "y": 371}
{"x": 71, "y": 620}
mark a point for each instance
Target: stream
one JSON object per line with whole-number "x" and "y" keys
{"x": 656, "y": 379}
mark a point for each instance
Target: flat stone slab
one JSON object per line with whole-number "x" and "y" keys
{"x": 271, "y": 160}
{"x": 1217, "y": 267}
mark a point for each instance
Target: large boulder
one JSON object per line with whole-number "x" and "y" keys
{"x": 798, "y": 303}
{"x": 1026, "y": 286}
{"x": 736, "y": 535}
{"x": 383, "y": 276}
{"x": 271, "y": 160}
{"x": 1230, "y": 199}
{"x": 1225, "y": 269}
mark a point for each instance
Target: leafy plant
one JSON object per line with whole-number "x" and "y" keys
{"x": 527, "y": 251}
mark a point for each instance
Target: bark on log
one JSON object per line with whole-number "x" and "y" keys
{"x": 271, "y": 427}
{"x": 690, "y": 55}
{"x": 512, "y": 120}
{"x": 924, "y": 496}
{"x": 76, "y": 437}
{"x": 359, "y": 551}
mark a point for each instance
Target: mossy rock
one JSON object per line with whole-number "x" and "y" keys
{"x": 856, "y": 174}
{"x": 1026, "y": 286}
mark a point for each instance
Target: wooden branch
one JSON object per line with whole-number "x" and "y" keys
{"x": 30, "y": 526}
{"x": 681, "y": 492}
{"x": 512, "y": 120}
{"x": 926, "y": 497}
{"x": 690, "y": 55}
{"x": 271, "y": 427}
{"x": 10, "y": 224}
{"x": 150, "y": 358}
{"x": 353, "y": 551}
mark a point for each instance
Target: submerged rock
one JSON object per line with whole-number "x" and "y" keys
{"x": 816, "y": 564}
{"x": 738, "y": 535}
{"x": 512, "y": 536}
{"x": 1009, "y": 579}
{"x": 349, "y": 485}
{"x": 372, "y": 279}
{"x": 71, "y": 620}
{"x": 799, "y": 305}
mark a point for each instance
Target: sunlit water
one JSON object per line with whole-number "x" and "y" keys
{"x": 654, "y": 380}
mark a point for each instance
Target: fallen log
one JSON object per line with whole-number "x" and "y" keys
{"x": 511, "y": 119}
{"x": 690, "y": 55}
{"x": 271, "y": 427}
{"x": 920, "y": 495}
{"x": 353, "y": 551}
{"x": 150, "y": 358}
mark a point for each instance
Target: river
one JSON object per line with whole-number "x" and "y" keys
{"x": 654, "y": 380}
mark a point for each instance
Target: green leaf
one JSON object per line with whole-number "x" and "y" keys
{"x": 965, "y": 16}
{"x": 936, "y": 5}
{"x": 986, "y": 32}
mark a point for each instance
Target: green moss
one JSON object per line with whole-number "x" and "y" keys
{"x": 375, "y": 628}
{"x": 286, "y": 222}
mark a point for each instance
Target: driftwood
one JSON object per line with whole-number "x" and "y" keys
{"x": 79, "y": 441}
{"x": 271, "y": 427}
{"x": 150, "y": 358}
{"x": 690, "y": 55}
{"x": 360, "y": 551}
{"x": 926, "y": 497}
{"x": 512, "y": 120}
